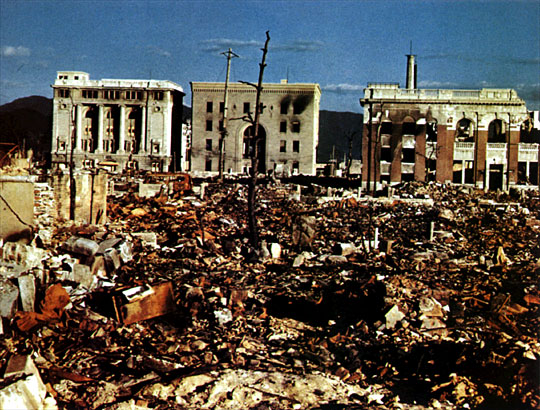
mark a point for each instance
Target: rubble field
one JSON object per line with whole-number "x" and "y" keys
{"x": 424, "y": 298}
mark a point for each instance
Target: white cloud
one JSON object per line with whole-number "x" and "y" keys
{"x": 158, "y": 51}
{"x": 344, "y": 88}
{"x": 299, "y": 46}
{"x": 11, "y": 51}
{"x": 436, "y": 84}
{"x": 221, "y": 44}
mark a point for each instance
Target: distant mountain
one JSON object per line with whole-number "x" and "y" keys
{"x": 42, "y": 105}
{"x": 28, "y": 122}
{"x": 335, "y": 128}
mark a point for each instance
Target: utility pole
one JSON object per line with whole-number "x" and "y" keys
{"x": 223, "y": 132}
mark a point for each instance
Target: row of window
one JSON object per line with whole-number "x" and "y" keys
{"x": 282, "y": 145}
{"x": 283, "y": 108}
{"x": 111, "y": 94}
{"x": 246, "y": 169}
{"x": 295, "y": 126}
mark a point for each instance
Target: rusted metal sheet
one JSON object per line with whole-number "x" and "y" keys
{"x": 144, "y": 302}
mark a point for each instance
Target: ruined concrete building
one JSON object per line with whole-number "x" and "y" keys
{"x": 477, "y": 137}
{"x": 116, "y": 124}
{"x": 289, "y": 125}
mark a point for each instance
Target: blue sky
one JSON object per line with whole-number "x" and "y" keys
{"x": 341, "y": 45}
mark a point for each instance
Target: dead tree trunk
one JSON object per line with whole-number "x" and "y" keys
{"x": 252, "y": 183}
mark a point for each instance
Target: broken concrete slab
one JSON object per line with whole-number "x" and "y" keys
{"x": 29, "y": 391}
{"x": 9, "y": 295}
{"x": 27, "y": 291}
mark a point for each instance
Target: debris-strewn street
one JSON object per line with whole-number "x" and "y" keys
{"x": 424, "y": 297}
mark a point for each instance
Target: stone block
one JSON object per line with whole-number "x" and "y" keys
{"x": 83, "y": 275}
{"x": 28, "y": 392}
{"x": 81, "y": 246}
{"x": 9, "y": 295}
{"x": 27, "y": 289}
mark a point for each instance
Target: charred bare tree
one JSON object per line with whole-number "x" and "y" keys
{"x": 255, "y": 142}
{"x": 350, "y": 138}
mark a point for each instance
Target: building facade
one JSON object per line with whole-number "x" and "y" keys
{"x": 116, "y": 124}
{"x": 288, "y": 127}
{"x": 476, "y": 137}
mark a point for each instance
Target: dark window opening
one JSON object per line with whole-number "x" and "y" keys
{"x": 209, "y": 144}
{"x": 208, "y": 165}
{"x": 284, "y": 108}
{"x": 386, "y": 128}
{"x": 431, "y": 132}
{"x": 408, "y": 128}
{"x": 208, "y": 125}
{"x": 296, "y": 146}
{"x": 386, "y": 154}
{"x": 158, "y": 95}
{"x": 283, "y": 146}
{"x": 283, "y": 126}
{"x": 246, "y": 107}
{"x": 296, "y": 126}
{"x": 222, "y": 107}
{"x": 63, "y": 93}
{"x": 496, "y": 131}
{"x": 407, "y": 155}
{"x": 464, "y": 132}
{"x": 209, "y": 106}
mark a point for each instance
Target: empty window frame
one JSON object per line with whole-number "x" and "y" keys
{"x": 221, "y": 106}
{"x": 208, "y": 125}
{"x": 220, "y": 125}
{"x": 296, "y": 146}
{"x": 284, "y": 107}
{"x": 133, "y": 95}
{"x": 208, "y": 165}
{"x": 158, "y": 95}
{"x": 63, "y": 93}
{"x": 111, "y": 94}
{"x": 89, "y": 93}
{"x": 283, "y": 126}
{"x": 246, "y": 107}
{"x": 209, "y": 106}
{"x": 296, "y": 126}
{"x": 282, "y": 146}
{"x": 408, "y": 155}
{"x": 209, "y": 144}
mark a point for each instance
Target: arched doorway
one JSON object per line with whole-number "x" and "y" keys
{"x": 90, "y": 129}
{"x": 259, "y": 150}
{"x": 496, "y": 131}
{"x": 464, "y": 130}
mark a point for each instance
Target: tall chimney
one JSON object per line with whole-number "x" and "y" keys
{"x": 411, "y": 72}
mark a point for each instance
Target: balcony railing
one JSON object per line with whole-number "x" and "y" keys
{"x": 528, "y": 152}
{"x": 464, "y": 145}
{"x": 496, "y": 146}
{"x": 464, "y": 151}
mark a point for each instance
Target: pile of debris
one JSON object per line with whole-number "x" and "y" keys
{"x": 425, "y": 298}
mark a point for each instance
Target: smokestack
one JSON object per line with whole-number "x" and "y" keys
{"x": 411, "y": 71}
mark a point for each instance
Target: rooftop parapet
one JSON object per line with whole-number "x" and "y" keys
{"x": 485, "y": 95}
{"x": 81, "y": 79}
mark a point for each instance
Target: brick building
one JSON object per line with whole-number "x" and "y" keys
{"x": 477, "y": 137}
{"x": 118, "y": 124}
{"x": 289, "y": 125}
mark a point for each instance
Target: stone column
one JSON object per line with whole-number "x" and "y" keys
{"x": 122, "y": 130}
{"x": 78, "y": 128}
{"x": 142, "y": 149}
{"x": 99, "y": 146}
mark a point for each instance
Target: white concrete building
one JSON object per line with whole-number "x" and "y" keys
{"x": 117, "y": 124}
